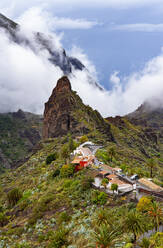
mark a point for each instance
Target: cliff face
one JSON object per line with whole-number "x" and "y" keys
{"x": 65, "y": 112}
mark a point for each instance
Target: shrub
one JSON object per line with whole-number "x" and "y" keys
{"x": 144, "y": 204}
{"x": 83, "y": 139}
{"x": 65, "y": 153}
{"x": 51, "y": 157}
{"x": 64, "y": 217}
{"x": 40, "y": 208}
{"x": 86, "y": 183}
{"x": 59, "y": 239}
{"x": 56, "y": 173}
{"x": 13, "y": 196}
{"x": 99, "y": 197}
{"x": 67, "y": 170}
{"x": 3, "y": 220}
{"x": 104, "y": 182}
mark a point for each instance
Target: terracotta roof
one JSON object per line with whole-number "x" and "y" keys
{"x": 103, "y": 172}
{"x": 117, "y": 181}
{"x": 112, "y": 176}
{"x": 150, "y": 184}
{"x": 76, "y": 160}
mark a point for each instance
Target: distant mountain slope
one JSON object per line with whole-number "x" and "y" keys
{"x": 19, "y": 133}
{"x": 147, "y": 116}
{"x": 57, "y": 56}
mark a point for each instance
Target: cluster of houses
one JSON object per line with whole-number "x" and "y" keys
{"x": 113, "y": 175}
{"x": 84, "y": 157}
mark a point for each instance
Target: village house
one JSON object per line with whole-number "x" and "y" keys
{"x": 111, "y": 169}
{"x": 148, "y": 184}
{"x": 82, "y": 162}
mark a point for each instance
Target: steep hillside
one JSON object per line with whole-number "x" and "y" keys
{"x": 47, "y": 205}
{"x": 19, "y": 133}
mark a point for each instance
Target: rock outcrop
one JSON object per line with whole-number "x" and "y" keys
{"x": 65, "y": 112}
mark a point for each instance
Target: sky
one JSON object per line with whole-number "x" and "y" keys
{"x": 120, "y": 42}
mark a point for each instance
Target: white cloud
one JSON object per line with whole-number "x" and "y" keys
{"x": 39, "y": 19}
{"x": 78, "y": 53}
{"x": 128, "y": 93}
{"x": 114, "y": 78}
{"x": 26, "y": 79}
{"x": 15, "y": 7}
{"x": 139, "y": 27}
{"x": 67, "y": 23}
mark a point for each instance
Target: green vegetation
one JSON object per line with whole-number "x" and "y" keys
{"x": 60, "y": 208}
{"x": 114, "y": 187}
{"x": 13, "y": 196}
{"x": 51, "y": 157}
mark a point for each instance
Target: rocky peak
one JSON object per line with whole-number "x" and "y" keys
{"x": 65, "y": 112}
{"x": 63, "y": 84}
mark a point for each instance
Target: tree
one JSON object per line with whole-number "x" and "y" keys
{"x": 105, "y": 182}
{"x": 103, "y": 216}
{"x": 105, "y": 236}
{"x": 156, "y": 214}
{"x": 151, "y": 163}
{"x": 51, "y": 157}
{"x": 112, "y": 153}
{"x": 67, "y": 170}
{"x": 144, "y": 204}
{"x": 114, "y": 187}
{"x": 134, "y": 222}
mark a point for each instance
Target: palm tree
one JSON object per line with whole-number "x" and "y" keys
{"x": 156, "y": 214}
{"x": 151, "y": 163}
{"x": 135, "y": 223}
{"x": 112, "y": 153}
{"x": 105, "y": 236}
{"x": 104, "y": 216}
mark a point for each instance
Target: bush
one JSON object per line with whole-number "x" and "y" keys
{"x": 40, "y": 208}
{"x": 59, "y": 239}
{"x": 56, "y": 173}
{"x": 144, "y": 204}
{"x": 3, "y": 220}
{"x": 64, "y": 217}
{"x": 51, "y": 157}
{"x": 86, "y": 183}
{"x": 83, "y": 139}
{"x": 67, "y": 170}
{"x": 13, "y": 196}
{"x": 99, "y": 197}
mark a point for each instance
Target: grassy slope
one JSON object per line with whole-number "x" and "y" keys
{"x": 50, "y": 203}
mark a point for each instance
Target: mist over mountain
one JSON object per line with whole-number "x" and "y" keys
{"x": 33, "y": 61}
